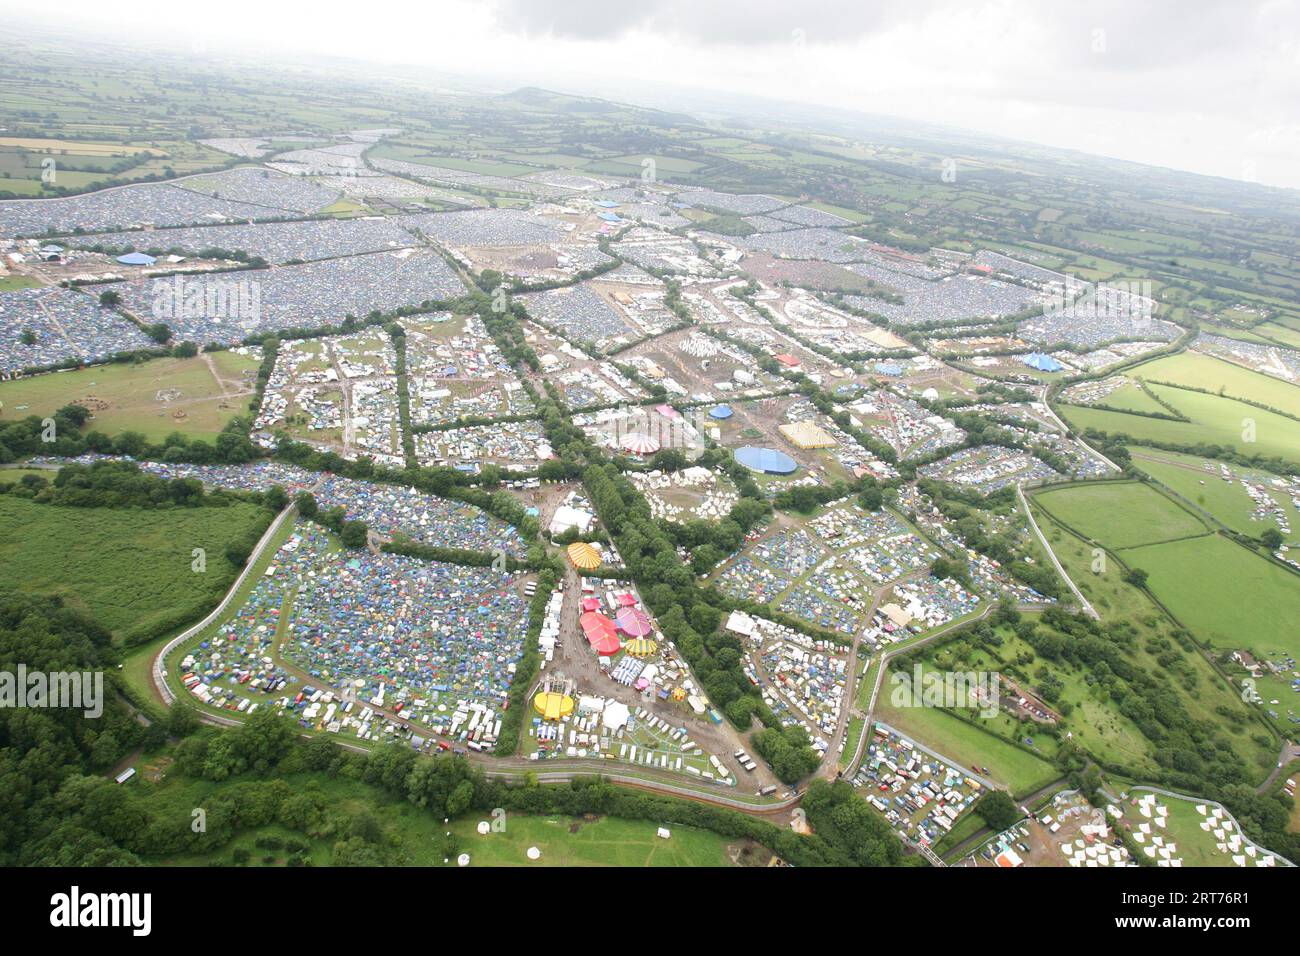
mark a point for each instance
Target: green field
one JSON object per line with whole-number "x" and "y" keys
{"x": 131, "y": 392}
{"x": 607, "y": 841}
{"x": 416, "y": 836}
{"x": 12, "y": 282}
{"x": 1227, "y": 501}
{"x": 1133, "y": 398}
{"x": 1229, "y": 596}
{"x": 128, "y": 568}
{"x": 1195, "y": 846}
{"x": 1120, "y": 514}
{"x": 1204, "y": 371}
{"x": 1095, "y": 720}
{"x": 1213, "y": 420}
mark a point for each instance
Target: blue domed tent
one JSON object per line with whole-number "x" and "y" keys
{"x": 136, "y": 259}
{"x": 1043, "y": 362}
{"x": 720, "y": 412}
{"x": 767, "y": 460}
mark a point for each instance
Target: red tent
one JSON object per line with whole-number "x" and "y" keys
{"x": 594, "y": 625}
{"x": 590, "y": 604}
{"x": 627, "y": 600}
{"x": 605, "y": 646}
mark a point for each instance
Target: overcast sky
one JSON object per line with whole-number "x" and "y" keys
{"x": 1211, "y": 87}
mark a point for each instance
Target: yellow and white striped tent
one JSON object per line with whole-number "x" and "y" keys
{"x": 807, "y": 435}
{"x": 641, "y": 647}
{"x": 584, "y": 556}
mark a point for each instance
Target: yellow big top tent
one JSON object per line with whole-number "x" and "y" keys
{"x": 553, "y": 706}
{"x": 679, "y": 693}
{"x": 641, "y": 647}
{"x": 807, "y": 435}
{"x": 584, "y": 556}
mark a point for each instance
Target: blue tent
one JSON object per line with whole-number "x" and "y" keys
{"x": 609, "y": 216}
{"x": 888, "y": 368}
{"x": 1042, "y": 362}
{"x": 606, "y": 203}
{"x": 767, "y": 460}
{"x": 720, "y": 411}
{"x": 136, "y": 259}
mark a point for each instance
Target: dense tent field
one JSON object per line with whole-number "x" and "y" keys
{"x": 971, "y": 746}
{"x": 569, "y": 469}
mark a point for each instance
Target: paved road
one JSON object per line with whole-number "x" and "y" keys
{"x": 1290, "y": 753}
{"x": 1083, "y": 601}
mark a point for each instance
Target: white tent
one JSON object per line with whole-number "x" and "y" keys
{"x": 615, "y": 716}
{"x": 566, "y": 517}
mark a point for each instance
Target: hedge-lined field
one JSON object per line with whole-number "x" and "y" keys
{"x": 127, "y": 568}
{"x": 1121, "y": 514}
{"x": 1229, "y": 596}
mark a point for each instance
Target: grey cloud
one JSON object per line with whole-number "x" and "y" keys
{"x": 707, "y": 21}
{"x": 1134, "y": 35}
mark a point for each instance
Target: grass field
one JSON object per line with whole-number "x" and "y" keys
{"x": 1213, "y": 420}
{"x": 418, "y": 836}
{"x": 607, "y": 841}
{"x": 129, "y": 569}
{"x": 1133, "y": 398}
{"x": 1227, "y": 501}
{"x": 210, "y": 395}
{"x": 10, "y": 283}
{"x": 1195, "y": 846}
{"x": 1121, "y": 514}
{"x": 1229, "y": 596}
{"x": 1204, "y": 371}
